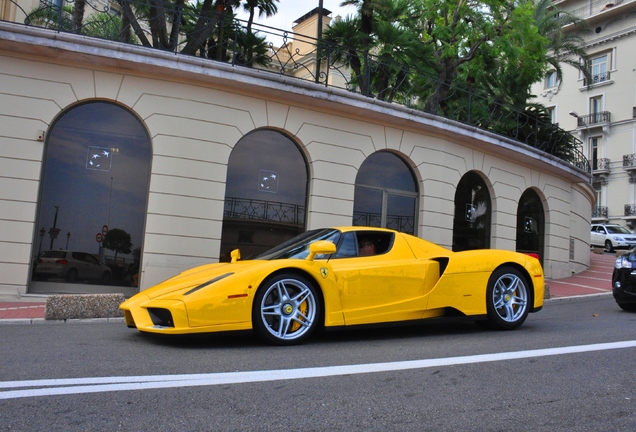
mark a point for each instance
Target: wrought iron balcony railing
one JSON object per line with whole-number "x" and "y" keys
{"x": 399, "y": 223}
{"x": 602, "y": 117}
{"x": 601, "y": 164}
{"x": 630, "y": 209}
{"x": 595, "y": 7}
{"x": 241, "y": 208}
{"x": 629, "y": 161}
{"x": 597, "y": 79}
{"x": 216, "y": 36}
{"x": 599, "y": 212}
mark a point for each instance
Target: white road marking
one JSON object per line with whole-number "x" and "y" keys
{"x": 71, "y": 386}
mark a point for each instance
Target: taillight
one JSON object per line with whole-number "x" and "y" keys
{"x": 62, "y": 261}
{"x": 40, "y": 261}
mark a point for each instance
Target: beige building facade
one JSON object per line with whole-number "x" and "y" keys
{"x": 602, "y": 114}
{"x": 195, "y": 114}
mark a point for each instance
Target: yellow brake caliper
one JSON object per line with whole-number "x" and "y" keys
{"x": 303, "y": 310}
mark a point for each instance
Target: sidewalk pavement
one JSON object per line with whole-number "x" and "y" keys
{"x": 593, "y": 281}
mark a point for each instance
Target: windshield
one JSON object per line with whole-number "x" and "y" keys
{"x": 617, "y": 230}
{"x": 298, "y": 247}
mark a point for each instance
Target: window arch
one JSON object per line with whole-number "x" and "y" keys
{"x": 471, "y": 223}
{"x": 93, "y": 198}
{"x": 266, "y": 193}
{"x": 385, "y": 193}
{"x": 530, "y": 224}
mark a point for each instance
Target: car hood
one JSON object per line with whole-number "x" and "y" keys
{"x": 203, "y": 275}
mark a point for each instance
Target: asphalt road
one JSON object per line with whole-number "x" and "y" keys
{"x": 569, "y": 367}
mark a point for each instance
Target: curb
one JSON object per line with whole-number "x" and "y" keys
{"x": 575, "y": 297}
{"x": 42, "y": 321}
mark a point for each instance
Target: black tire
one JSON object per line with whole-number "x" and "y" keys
{"x": 629, "y": 307}
{"x": 608, "y": 246}
{"x": 287, "y": 309}
{"x": 507, "y": 299}
{"x": 71, "y": 276}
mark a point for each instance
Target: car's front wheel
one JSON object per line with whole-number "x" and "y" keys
{"x": 507, "y": 299}
{"x": 630, "y": 307}
{"x": 608, "y": 246}
{"x": 286, "y": 309}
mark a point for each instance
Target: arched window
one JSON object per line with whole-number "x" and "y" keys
{"x": 471, "y": 224}
{"x": 530, "y": 224}
{"x": 266, "y": 194}
{"x": 386, "y": 194}
{"x": 93, "y": 197}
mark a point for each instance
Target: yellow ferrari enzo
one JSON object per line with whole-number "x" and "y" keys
{"x": 340, "y": 277}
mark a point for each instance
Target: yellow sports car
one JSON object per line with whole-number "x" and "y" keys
{"x": 340, "y": 277}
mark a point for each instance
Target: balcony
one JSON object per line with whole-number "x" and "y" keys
{"x": 629, "y": 162}
{"x": 596, "y": 11}
{"x": 600, "y": 169}
{"x": 630, "y": 211}
{"x": 603, "y": 78}
{"x": 601, "y": 165}
{"x": 599, "y": 213}
{"x": 596, "y": 119}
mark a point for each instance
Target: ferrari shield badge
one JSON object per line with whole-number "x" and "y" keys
{"x": 324, "y": 272}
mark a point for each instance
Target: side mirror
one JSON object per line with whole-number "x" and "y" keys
{"x": 236, "y": 255}
{"x": 320, "y": 247}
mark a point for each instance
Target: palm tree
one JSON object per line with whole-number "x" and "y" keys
{"x": 565, "y": 47}
{"x": 266, "y": 8}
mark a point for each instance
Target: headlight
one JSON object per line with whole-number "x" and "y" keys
{"x": 618, "y": 239}
{"x": 622, "y": 262}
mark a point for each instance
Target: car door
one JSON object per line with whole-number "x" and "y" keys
{"x": 386, "y": 287}
{"x": 596, "y": 239}
{"x": 87, "y": 265}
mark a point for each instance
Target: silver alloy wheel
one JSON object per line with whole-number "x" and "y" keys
{"x": 288, "y": 309}
{"x": 510, "y": 297}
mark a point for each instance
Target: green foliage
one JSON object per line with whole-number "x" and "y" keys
{"x": 117, "y": 240}
{"x": 51, "y": 17}
{"x": 474, "y": 61}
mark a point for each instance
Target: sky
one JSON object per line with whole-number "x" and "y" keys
{"x": 291, "y": 10}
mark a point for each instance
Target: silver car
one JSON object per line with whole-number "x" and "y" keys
{"x": 71, "y": 266}
{"x": 612, "y": 237}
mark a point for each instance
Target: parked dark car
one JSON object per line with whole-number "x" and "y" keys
{"x": 70, "y": 265}
{"x": 624, "y": 281}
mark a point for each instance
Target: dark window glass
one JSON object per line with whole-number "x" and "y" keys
{"x": 96, "y": 175}
{"x": 386, "y": 194}
{"x": 367, "y": 210}
{"x": 471, "y": 224}
{"x": 266, "y": 193}
{"x": 530, "y": 224}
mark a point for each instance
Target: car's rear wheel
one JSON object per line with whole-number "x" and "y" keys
{"x": 507, "y": 299}
{"x": 286, "y": 309}
{"x": 71, "y": 276}
{"x": 608, "y": 246}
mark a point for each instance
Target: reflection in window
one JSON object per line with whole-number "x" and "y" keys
{"x": 471, "y": 224}
{"x": 530, "y": 224}
{"x": 551, "y": 79}
{"x": 96, "y": 176}
{"x": 266, "y": 193}
{"x": 599, "y": 68}
{"x": 386, "y": 194}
